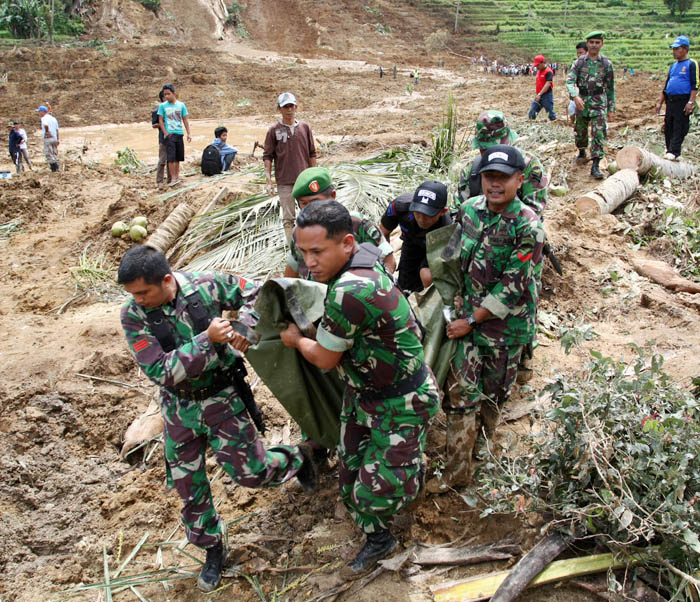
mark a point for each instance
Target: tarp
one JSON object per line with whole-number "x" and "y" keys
{"x": 313, "y": 397}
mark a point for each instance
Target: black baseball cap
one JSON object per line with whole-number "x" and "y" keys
{"x": 429, "y": 198}
{"x": 503, "y": 158}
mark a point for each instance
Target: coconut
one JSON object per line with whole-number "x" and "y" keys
{"x": 118, "y": 228}
{"x": 139, "y": 220}
{"x": 558, "y": 190}
{"x": 137, "y": 233}
{"x": 613, "y": 168}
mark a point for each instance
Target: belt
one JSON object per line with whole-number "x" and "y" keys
{"x": 222, "y": 380}
{"x": 675, "y": 97}
{"x": 401, "y": 388}
{"x": 592, "y": 92}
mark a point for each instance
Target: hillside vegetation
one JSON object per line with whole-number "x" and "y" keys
{"x": 638, "y": 31}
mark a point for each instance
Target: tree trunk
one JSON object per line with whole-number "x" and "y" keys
{"x": 611, "y": 193}
{"x": 633, "y": 157}
{"x": 172, "y": 228}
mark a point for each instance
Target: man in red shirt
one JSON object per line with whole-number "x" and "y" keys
{"x": 544, "y": 97}
{"x": 290, "y": 145}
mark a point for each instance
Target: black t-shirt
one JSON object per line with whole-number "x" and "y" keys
{"x": 413, "y": 251}
{"x": 154, "y": 121}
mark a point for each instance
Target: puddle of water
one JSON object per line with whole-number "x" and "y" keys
{"x": 103, "y": 141}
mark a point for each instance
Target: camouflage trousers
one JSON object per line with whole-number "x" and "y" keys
{"x": 380, "y": 450}
{"x": 599, "y": 131}
{"x": 483, "y": 376}
{"x": 222, "y": 422}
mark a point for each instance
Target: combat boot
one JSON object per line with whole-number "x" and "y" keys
{"x": 210, "y": 575}
{"x": 581, "y": 157}
{"x": 595, "y": 169}
{"x": 307, "y": 473}
{"x": 378, "y": 545}
{"x": 462, "y": 433}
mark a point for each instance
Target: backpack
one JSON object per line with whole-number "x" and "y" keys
{"x": 211, "y": 161}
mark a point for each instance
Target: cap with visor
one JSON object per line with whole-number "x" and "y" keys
{"x": 503, "y": 158}
{"x": 286, "y": 98}
{"x": 429, "y": 198}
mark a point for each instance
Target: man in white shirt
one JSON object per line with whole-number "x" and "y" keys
{"x": 23, "y": 145}
{"x": 49, "y": 132}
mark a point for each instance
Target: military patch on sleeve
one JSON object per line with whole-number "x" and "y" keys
{"x": 141, "y": 345}
{"x": 241, "y": 283}
{"x": 524, "y": 258}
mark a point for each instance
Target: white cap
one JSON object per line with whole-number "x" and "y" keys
{"x": 286, "y": 98}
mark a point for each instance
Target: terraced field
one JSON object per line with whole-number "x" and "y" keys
{"x": 639, "y": 31}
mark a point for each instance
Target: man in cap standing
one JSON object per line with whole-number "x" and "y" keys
{"x": 49, "y": 132}
{"x": 679, "y": 94}
{"x": 591, "y": 85}
{"x": 544, "y": 96}
{"x": 501, "y": 249}
{"x": 290, "y": 145}
{"x": 416, "y": 213}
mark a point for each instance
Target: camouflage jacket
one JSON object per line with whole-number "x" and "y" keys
{"x": 369, "y": 319}
{"x": 594, "y": 81}
{"x": 533, "y": 192}
{"x": 500, "y": 255}
{"x": 196, "y": 359}
{"x": 364, "y": 230}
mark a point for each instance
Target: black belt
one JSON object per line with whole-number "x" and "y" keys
{"x": 222, "y": 380}
{"x": 675, "y": 97}
{"x": 405, "y": 386}
{"x": 592, "y": 92}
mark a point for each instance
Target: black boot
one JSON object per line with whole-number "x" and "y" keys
{"x": 595, "y": 169}
{"x": 210, "y": 575}
{"x": 581, "y": 157}
{"x": 307, "y": 473}
{"x": 378, "y": 545}
{"x": 54, "y": 166}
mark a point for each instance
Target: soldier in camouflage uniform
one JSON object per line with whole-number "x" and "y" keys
{"x": 591, "y": 85}
{"x": 501, "y": 247}
{"x": 199, "y": 402}
{"x": 315, "y": 184}
{"x": 369, "y": 332}
{"x": 492, "y": 128}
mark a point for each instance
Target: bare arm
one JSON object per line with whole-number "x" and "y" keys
{"x": 290, "y": 273}
{"x": 385, "y": 232}
{"x": 161, "y": 125}
{"x": 186, "y": 121}
{"x": 390, "y": 263}
{"x": 460, "y": 328}
{"x": 311, "y": 350}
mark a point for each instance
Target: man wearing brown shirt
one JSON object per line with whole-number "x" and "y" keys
{"x": 290, "y": 144}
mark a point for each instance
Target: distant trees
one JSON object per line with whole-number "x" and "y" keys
{"x": 679, "y": 6}
{"x": 38, "y": 18}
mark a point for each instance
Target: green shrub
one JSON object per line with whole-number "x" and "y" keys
{"x": 153, "y": 5}
{"x": 24, "y": 18}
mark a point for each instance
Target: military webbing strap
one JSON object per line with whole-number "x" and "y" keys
{"x": 366, "y": 257}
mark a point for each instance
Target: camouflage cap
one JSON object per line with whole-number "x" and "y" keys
{"x": 311, "y": 181}
{"x": 492, "y": 128}
{"x": 596, "y": 35}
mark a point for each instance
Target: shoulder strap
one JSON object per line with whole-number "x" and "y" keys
{"x": 366, "y": 257}
{"x": 160, "y": 327}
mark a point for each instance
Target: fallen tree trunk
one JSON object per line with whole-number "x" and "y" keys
{"x": 465, "y": 555}
{"x": 663, "y": 274}
{"x": 172, "y": 228}
{"x": 643, "y": 161}
{"x": 610, "y": 194}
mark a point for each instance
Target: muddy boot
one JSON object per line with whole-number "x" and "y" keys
{"x": 378, "y": 545}
{"x": 210, "y": 575}
{"x": 307, "y": 473}
{"x": 490, "y": 417}
{"x": 53, "y": 166}
{"x": 595, "y": 169}
{"x": 462, "y": 432}
{"x": 581, "y": 157}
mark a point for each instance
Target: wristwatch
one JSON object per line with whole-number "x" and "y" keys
{"x": 471, "y": 320}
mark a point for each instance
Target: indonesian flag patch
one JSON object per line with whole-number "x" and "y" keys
{"x": 241, "y": 283}
{"x": 524, "y": 258}
{"x": 141, "y": 345}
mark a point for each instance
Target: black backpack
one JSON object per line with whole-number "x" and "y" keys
{"x": 211, "y": 161}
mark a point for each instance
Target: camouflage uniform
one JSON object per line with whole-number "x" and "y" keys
{"x": 364, "y": 230}
{"x": 594, "y": 81}
{"x": 383, "y": 432}
{"x": 500, "y": 255}
{"x": 221, "y": 418}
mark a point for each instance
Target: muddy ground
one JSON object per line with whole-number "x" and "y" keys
{"x": 66, "y": 494}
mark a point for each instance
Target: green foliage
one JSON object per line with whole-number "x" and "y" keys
{"x": 446, "y": 147}
{"x": 153, "y": 5}
{"x": 24, "y": 18}
{"x": 234, "y": 14}
{"x": 683, "y": 230}
{"x": 617, "y": 458}
{"x": 680, "y": 6}
{"x": 573, "y": 336}
{"x": 382, "y": 29}
{"x": 128, "y": 161}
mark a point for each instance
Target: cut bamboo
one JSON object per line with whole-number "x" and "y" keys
{"x": 643, "y": 161}
{"x": 172, "y": 228}
{"x": 610, "y": 194}
{"x": 483, "y": 587}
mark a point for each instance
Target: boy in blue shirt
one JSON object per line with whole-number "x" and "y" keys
{"x": 172, "y": 114}
{"x": 679, "y": 93}
{"x": 228, "y": 153}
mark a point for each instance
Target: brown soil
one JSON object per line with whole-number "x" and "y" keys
{"x": 66, "y": 491}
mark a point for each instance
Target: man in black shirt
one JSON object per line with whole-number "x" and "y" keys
{"x": 417, "y": 214}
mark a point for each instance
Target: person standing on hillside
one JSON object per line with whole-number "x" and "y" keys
{"x": 172, "y": 114}
{"x": 591, "y": 85}
{"x": 14, "y": 141}
{"x": 162, "y": 149}
{"x": 289, "y": 143}
{"x": 581, "y": 49}
{"x": 23, "y": 150}
{"x": 544, "y": 94}
{"x": 679, "y": 94}
{"x": 49, "y": 132}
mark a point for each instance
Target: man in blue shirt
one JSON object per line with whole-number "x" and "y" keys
{"x": 172, "y": 114}
{"x": 679, "y": 93}
{"x": 228, "y": 153}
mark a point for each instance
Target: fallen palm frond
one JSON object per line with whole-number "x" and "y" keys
{"x": 10, "y": 228}
{"x": 247, "y": 236}
{"x": 94, "y": 272}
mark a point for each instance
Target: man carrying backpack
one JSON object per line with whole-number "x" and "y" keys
{"x": 218, "y": 156}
